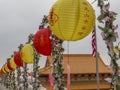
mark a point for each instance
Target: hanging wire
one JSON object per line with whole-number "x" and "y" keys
{"x": 97, "y": 63}
{"x": 68, "y": 68}
{"x": 68, "y": 51}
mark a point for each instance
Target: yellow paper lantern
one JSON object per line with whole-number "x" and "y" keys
{"x": 71, "y": 19}
{"x": 6, "y": 68}
{"x": 27, "y": 54}
{"x": 12, "y": 63}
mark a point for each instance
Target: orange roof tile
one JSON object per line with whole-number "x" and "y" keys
{"x": 79, "y": 64}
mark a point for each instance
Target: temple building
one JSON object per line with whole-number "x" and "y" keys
{"x": 82, "y": 72}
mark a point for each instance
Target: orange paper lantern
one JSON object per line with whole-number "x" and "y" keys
{"x": 42, "y": 42}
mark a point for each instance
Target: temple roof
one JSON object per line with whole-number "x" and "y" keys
{"x": 79, "y": 64}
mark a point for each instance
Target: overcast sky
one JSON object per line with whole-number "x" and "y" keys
{"x": 19, "y": 18}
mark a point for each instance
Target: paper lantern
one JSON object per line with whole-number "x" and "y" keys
{"x": 27, "y": 54}
{"x": 12, "y": 63}
{"x": 71, "y": 19}
{"x": 3, "y": 69}
{"x": 42, "y": 42}
{"x": 9, "y": 66}
{"x": 17, "y": 59}
{"x": 1, "y": 72}
{"x": 6, "y": 68}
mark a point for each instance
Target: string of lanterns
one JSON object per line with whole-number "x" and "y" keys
{"x": 68, "y": 20}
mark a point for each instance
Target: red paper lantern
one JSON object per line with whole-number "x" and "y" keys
{"x": 42, "y": 42}
{"x": 17, "y": 59}
{"x": 9, "y": 66}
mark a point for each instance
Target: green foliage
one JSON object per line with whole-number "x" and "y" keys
{"x": 118, "y": 87}
{"x": 101, "y": 17}
{"x": 57, "y": 63}
{"x": 112, "y": 39}
{"x": 105, "y": 29}
{"x": 107, "y": 17}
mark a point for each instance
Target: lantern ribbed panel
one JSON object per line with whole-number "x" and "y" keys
{"x": 12, "y": 63}
{"x": 71, "y": 19}
{"x": 27, "y": 54}
{"x": 17, "y": 59}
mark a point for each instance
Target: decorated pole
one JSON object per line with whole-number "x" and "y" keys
{"x": 10, "y": 75}
{"x": 4, "y": 80}
{"x": 19, "y": 64}
{"x": 25, "y": 58}
{"x": 18, "y": 76}
{"x": 95, "y": 55}
{"x": 110, "y": 36}
{"x": 13, "y": 65}
{"x": 9, "y": 80}
{"x": 25, "y": 83}
{"x": 13, "y": 81}
{"x": 57, "y": 54}
{"x": 36, "y": 74}
{"x": 7, "y": 75}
